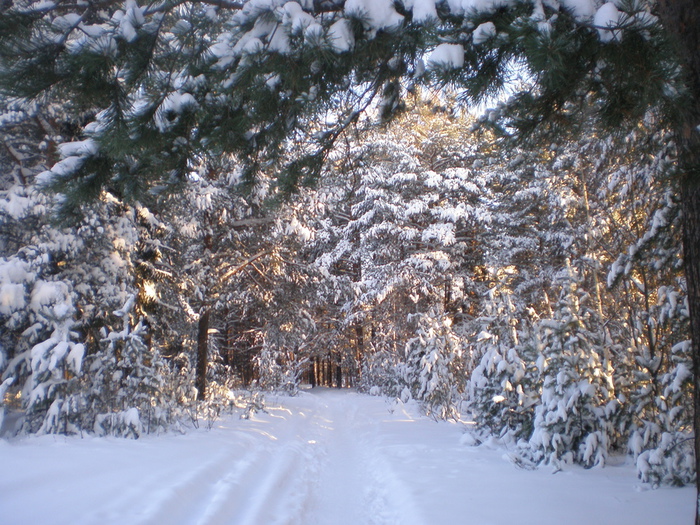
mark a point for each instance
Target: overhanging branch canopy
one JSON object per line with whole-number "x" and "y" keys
{"x": 160, "y": 87}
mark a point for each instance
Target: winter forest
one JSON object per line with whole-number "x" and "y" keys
{"x": 474, "y": 206}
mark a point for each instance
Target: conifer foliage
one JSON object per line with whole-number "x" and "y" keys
{"x": 127, "y": 380}
{"x": 433, "y": 372}
{"x": 572, "y": 420}
{"x": 502, "y": 388}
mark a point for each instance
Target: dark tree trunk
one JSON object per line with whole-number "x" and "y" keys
{"x": 681, "y": 19}
{"x": 691, "y": 249}
{"x": 312, "y": 373}
{"x": 339, "y": 376}
{"x": 360, "y": 351}
{"x": 202, "y": 354}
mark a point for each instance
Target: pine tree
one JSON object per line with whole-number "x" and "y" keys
{"x": 664, "y": 449}
{"x": 659, "y": 435}
{"x": 56, "y": 362}
{"x": 400, "y": 237}
{"x": 434, "y": 369}
{"x": 126, "y": 381}
{"x": 502, "y": 387}
{"x": 572, "y": 418}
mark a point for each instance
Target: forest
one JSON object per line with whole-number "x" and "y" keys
{"x": 187, "y": 224}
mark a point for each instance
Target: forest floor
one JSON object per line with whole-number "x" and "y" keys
{"x": 325, "y": 457}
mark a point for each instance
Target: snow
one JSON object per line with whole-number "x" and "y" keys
{"x": 127, "y": 30}
{"x": 62, "y": 168}
{"x": 325, "y": 456}
{"x": 82, "y": 148}
{"x": 459, "y": 7}
{"x": 47, "y": 293}
{"x": 297, "y": 18}
{"x": 75, "y": 357}
{"x": 378, "y": 14}
{"x": 340, "y": 36}
{"x": 483, "y": 32}
{"x": 423, "y": 10}
{"x": 581, "y": 9}
{"x": 11, "y": 298}
{"x": 447, "y": 55}
{"x": 682, "y": 374}
{"x": 42, "y": 5}
{"x": 176, "y": 103}
{"x": 66, "y": 21}
{"x": 606, "y": 17}
{"x": 131, "y": 417}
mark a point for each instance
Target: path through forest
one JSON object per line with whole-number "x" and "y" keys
{"x": 325, "y": 457}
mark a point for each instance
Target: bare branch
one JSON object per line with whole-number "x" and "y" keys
{"x": 245, "y": 263}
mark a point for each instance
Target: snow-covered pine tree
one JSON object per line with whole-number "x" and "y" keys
{"x": 503, "y": 387}
{"x": 597, "y": 198}
{"x": 663, "y": 447}
{"x": 401, "y": 238}
{"x": 382, "y": 367}
{"x": 275, "y": 302}
{"x": 88, "y": 263}
{"x": 231, "y": 81}
{"x": 279, "y": 372}
{"x": 53, "y": 394}
{"x": 659, "y": 415}
{"x": 572, "y": 417}
{"x": 51, "y": 285}
{"x": 434, "y": 370}
{"x": 126, "y": 380}
{"x": 210, "y": 237}
{"x": 650, "y": 339}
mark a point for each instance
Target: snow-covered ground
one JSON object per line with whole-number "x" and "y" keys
{"x": 324, "y": 457}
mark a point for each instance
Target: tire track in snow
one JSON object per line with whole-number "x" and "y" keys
{"x": 192, "y": 499}
{"x": 192, "y": 495}
{"x": 324, "y": 464}
{"x": 340, "y": 493}
{"x": 390, "y": 501}
{"x": 357, "y": 485}
{"x": 163, "y": 497}
{"x": 278, "y": 493}
{"x": 268, "y": 485}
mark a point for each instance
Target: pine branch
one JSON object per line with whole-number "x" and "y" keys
{"x": 319, "y": 6}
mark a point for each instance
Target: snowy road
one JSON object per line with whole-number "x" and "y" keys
{"x": 322, "y": 458}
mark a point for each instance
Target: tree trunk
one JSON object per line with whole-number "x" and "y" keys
{"x": 312, "y": 373}
{"x": 691, "y": 249}
{"x": 202, "y": 354}
{"x": 360, "y": 350}
{"x": 339, "y": 376}
{"x": 681, "y": 18}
